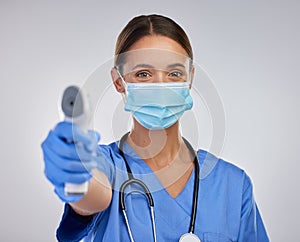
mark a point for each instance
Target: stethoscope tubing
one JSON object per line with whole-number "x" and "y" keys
{"x": 196, "y": 188}
{"x": 132, "y": 180}
{"x": 129, "y": 182}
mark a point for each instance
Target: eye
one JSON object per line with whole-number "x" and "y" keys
{"x": 142, "y": 74}
{"x": 176, "y": 74}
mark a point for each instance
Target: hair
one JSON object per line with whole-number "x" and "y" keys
{"x": 147, "y": 25}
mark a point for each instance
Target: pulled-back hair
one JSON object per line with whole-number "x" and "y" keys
{"x": 146, "y": 25}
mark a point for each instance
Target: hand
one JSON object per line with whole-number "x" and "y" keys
{"x": 69, "y": 156}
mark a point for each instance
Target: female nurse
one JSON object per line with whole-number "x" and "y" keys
{"x": 151, "y": 185}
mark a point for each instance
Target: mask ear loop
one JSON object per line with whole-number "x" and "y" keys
{"x": 191, "y": 74}
{"x": 124, "y": 94}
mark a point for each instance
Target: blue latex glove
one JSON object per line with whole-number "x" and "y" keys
{"x": 69, "y": 156}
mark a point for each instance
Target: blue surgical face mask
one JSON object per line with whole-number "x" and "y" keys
{"x": 158, "y": 105}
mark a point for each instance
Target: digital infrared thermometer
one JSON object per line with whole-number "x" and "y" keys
{"x": 76, "y": 109}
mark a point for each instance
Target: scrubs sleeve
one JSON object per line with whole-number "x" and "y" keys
{"x": 105, "y": 162}
{"x": 73, "y": 227}
{"x": 252, "y": 228}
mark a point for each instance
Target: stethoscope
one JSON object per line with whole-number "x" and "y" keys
{"x": 187, "y": 237}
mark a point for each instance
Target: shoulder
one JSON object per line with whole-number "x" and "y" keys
{"x": 213, "y": 167}
{"x": 108, "y": 159}
{"x": 109, "y": 149}
{"x": 111, "y": 152}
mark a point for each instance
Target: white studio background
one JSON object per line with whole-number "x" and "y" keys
{"x": 249, "y": 48}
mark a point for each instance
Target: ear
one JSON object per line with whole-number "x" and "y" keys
{"x": 192, "y": 75}
{"x": 118, "y": 83}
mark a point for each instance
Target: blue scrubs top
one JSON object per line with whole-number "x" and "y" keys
{"x": 226, "y": 207}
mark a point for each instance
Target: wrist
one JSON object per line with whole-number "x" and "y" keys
{"x": 80, "y": 211}
{"x": 78, "y": 214}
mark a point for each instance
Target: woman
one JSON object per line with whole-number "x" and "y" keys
{"x": 154, "y": 71}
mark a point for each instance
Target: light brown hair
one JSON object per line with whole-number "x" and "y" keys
{"x": 146, "y": 25}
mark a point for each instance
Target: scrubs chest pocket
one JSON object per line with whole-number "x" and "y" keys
{"x": 215, "y": 237}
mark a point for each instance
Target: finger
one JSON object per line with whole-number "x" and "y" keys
{"x": 66, "y": 149}
{"x": 95, "y": 138}
{"x": 59, "y": 177}
{"x": 72, "y": 133}
{"x": 75, "y": 166}
{"x": 94, "y": 135}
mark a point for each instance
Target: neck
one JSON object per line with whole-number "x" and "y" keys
{"x": 156, "y": 147}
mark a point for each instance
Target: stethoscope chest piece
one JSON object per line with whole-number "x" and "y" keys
{"x": 189, "y": 237}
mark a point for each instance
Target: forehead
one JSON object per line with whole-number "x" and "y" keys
{"x": 158, "y": 42}
{"x": 156, "y": 51}
{"x": 154, "y": 58}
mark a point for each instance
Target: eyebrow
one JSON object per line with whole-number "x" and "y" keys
{"x": 147, "y": 66}
{"x": 176, "y": 65}
{"x": 139, "y": 66}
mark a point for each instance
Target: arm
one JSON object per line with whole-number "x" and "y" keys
{"x": 74, "y": 157}
{"x": 252, "y": 228}
{"x": 78, "y": 217}
{"x": 97, "y": 198}
{"x": 73, "y": 227}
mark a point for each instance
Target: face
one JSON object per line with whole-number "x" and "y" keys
{"x": 158, "y": 42}
{"x": 154, "y": 58}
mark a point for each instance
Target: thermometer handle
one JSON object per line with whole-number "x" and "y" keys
{"x": 76, "y": 110}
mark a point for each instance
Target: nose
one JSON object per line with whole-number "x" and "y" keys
{"x": 160, "y": 76}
